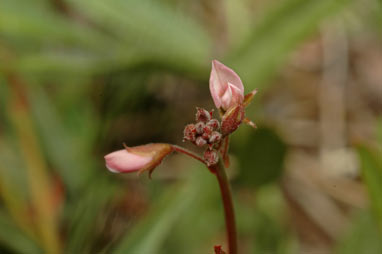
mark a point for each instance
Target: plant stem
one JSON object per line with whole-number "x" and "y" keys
{"x": 188, "y": 153}
{"x": 226, "y": 194}
{"x": 229, "y": 213}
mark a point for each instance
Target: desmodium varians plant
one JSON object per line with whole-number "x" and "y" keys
{"x": 227, "y": 92}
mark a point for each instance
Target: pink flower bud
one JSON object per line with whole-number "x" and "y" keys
{"x": 215, "y": 137}
{"x": 199, "y": 126}
{"x": 232, "y": 119}
{"x": 189, "y": 133}
{"x": 138, "y": 158}
{"x": 226, "y": 88}
{"x": 214, "y": 124}
{"x": 207, "y": 130}
{"x": 202, "y": 115}
{"x": 211, "y": 157}
{"x": 200, "y": 141}
{"x": 123, "y": 161}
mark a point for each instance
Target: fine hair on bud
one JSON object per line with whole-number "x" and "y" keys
{"x": 200, "y": 141}
{"x": 214, "y": 124}
{"x": 202, "y": 115}
{"x": 211, "y": 157}
{"x": 189, "y": 133}
{"x": 199, "y": 128}
{"x": 215, "y": 137}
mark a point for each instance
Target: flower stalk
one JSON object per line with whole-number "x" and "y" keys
{"x": 227, "y": 92}
{"x": 229, "y": 213}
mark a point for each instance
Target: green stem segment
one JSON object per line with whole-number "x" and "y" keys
{"x": 229, "y": 213}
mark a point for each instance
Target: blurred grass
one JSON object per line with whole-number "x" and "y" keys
{"x": 371, "y": 164}
{"x": 277, "y": 34}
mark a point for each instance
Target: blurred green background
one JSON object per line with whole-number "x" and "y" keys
{"x": 79, "y": 78}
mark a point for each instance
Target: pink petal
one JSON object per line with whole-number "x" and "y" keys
{"x": 217, "y": 88}
{"x": 227, "y": 75}
{"x": 122, "y": 161}
{"x": 237, "y": 95}
{"x": 226, "y": 98}
{"x": 220, "y": 77}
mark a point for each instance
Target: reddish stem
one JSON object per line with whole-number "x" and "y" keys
{"x": 188, "y": 152}
{"x": 226, "y": 194}
{"x": 224, "y": 151}
{"x": 229, "y": 213}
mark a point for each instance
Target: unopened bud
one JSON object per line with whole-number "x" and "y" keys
{"x": 199, "y": 127}
{"x": 200, "y": 141}
{"x": 189, "y": 132}
{"x": 214, "y": 124}
{"x": 207, "y": 132}
{"x": 232, "y": 119}
{"x": 202, "y": 115}
{"x": 138, "y": 158}
{"x": 215, "y": 137}
{"x": 211, "y": 157}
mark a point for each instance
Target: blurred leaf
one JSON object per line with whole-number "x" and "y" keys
{"x": 271, "y": 233}
{"x": 39, "y": 182}
{"x": 148, "y": 235}
{"x": 64, "y": 148}
{"x": 362, "y": 237}
{"x": 261, "y": 156}
{"x": 239, "y": 21}
{"x": 371, "y": 165}
{"x": 13, "y": 185}
{"x": 158, "y": 32}
{"x": 14, "y": 239}
{"x": 84, "y": 214}
{"x": 118, "y": 34}
{"x": 202, "y": 225}
{"x": 22, "y": 20}
{"x": 280, "y": 31}
{"x": 69, "y": 145}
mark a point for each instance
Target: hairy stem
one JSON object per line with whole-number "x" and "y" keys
{"x": 229, "y": 213}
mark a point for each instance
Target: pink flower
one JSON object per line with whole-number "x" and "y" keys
{"x": 138, "y": 158}
{"x": 122, "y": 161}
{"x": 226, "y": 87}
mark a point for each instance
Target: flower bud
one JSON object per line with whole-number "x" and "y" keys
{"x": 200, "y": 141}
{"x": 202, "y": 115}
{"x": 189, "y": 132}
{"x": 215, "y": 137}
{"x": 232, "y": 119}
{"x": 214, "y": 124}
{"x": 226, "y": 87}
{"x": 138, "y": 158}
{"x": 207, "y": 130}
{"x": 199, "y": 128}
{"x": 211, "y": 157}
